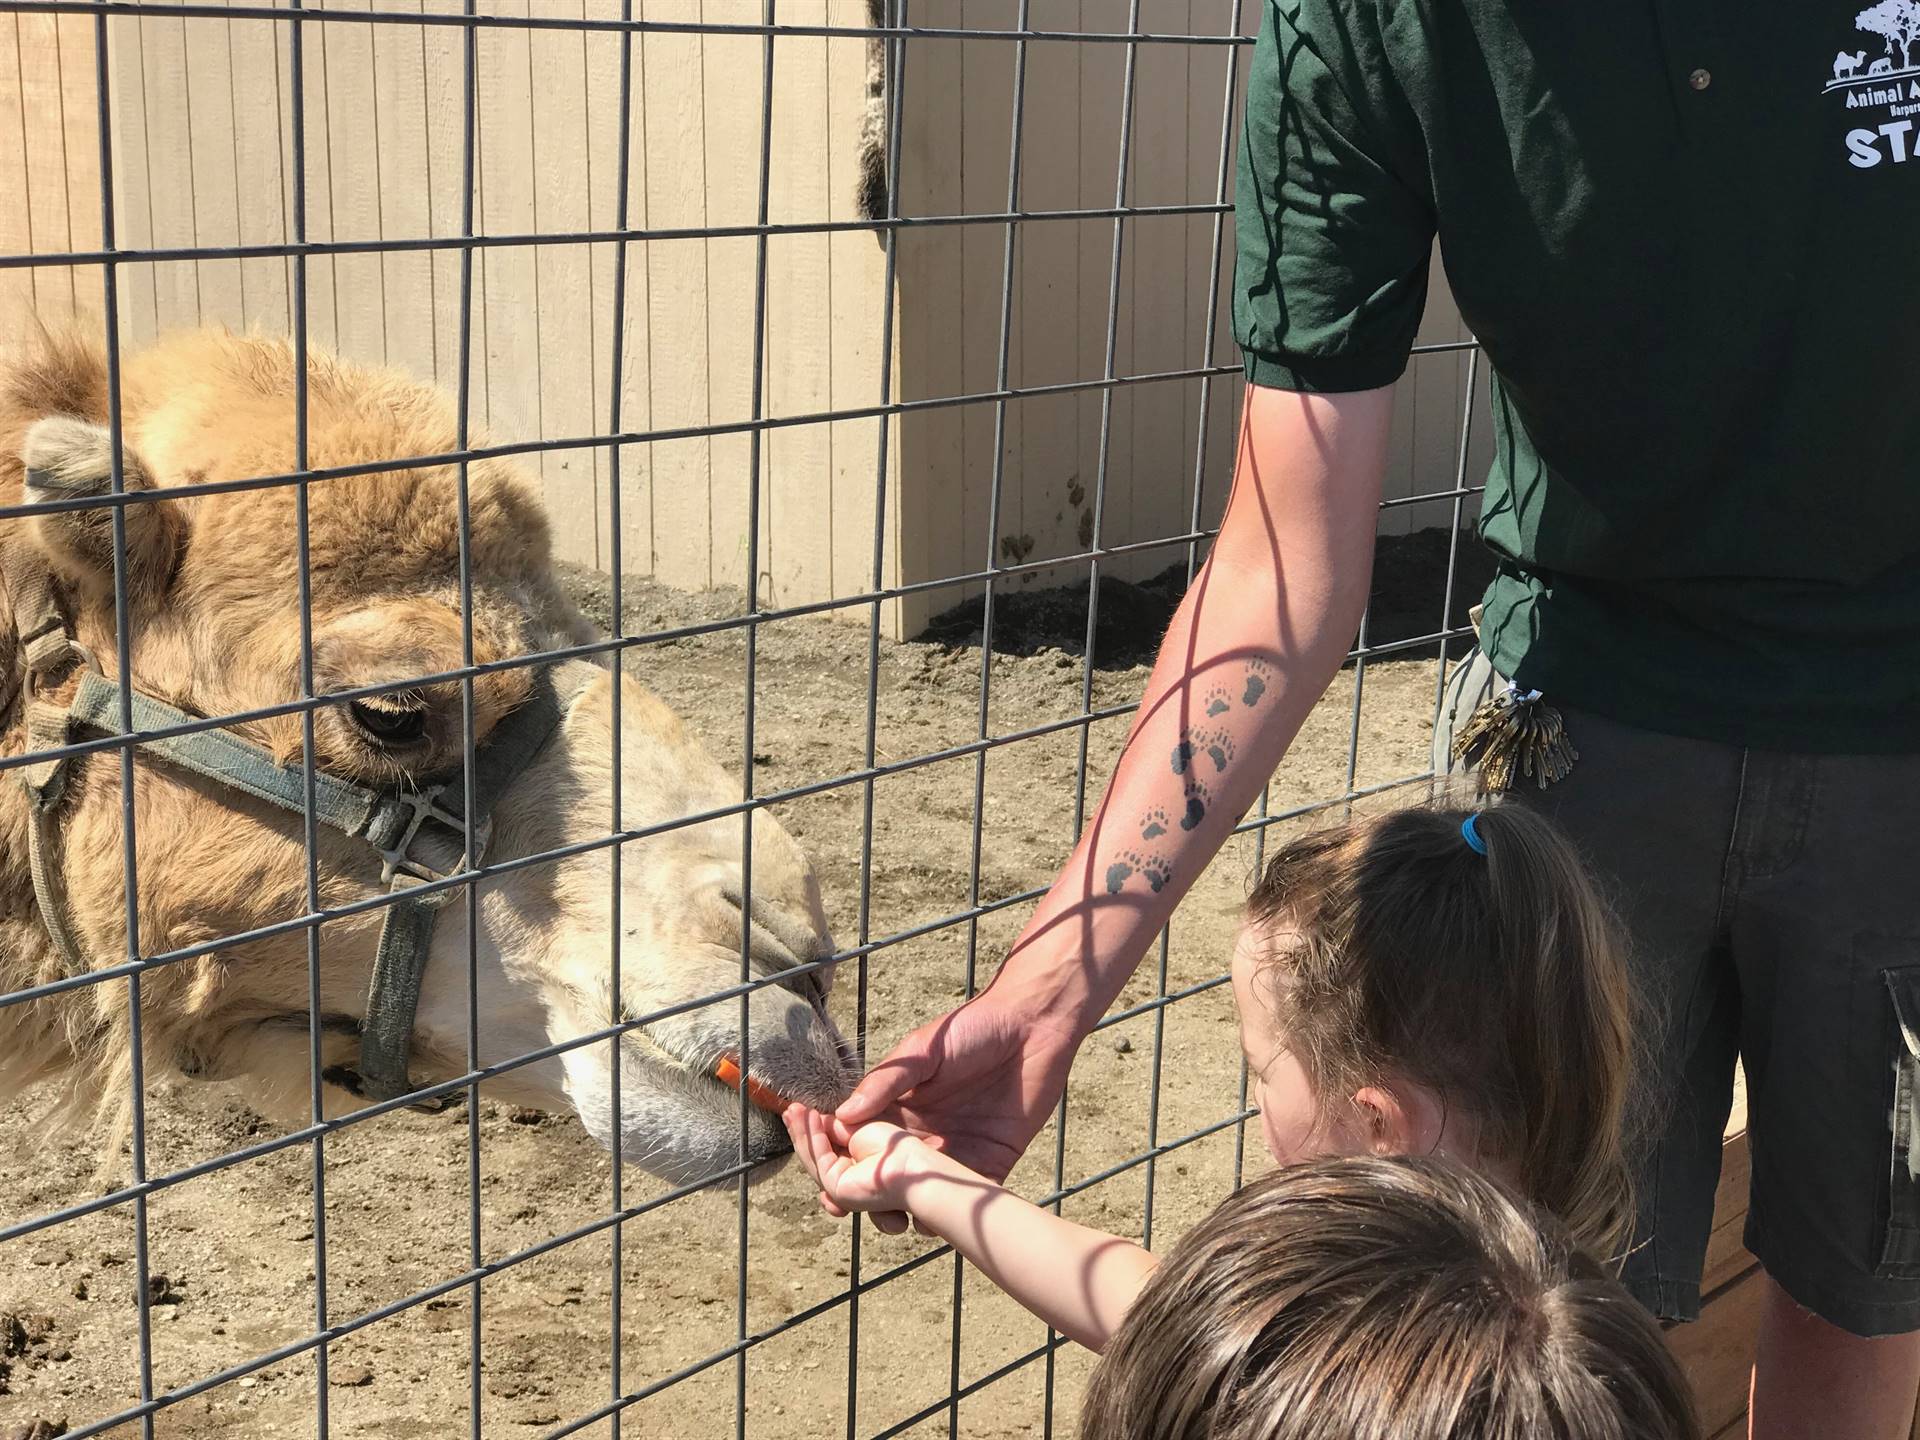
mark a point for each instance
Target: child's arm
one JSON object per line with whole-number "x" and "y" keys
{"x": 1079, "y": 1281}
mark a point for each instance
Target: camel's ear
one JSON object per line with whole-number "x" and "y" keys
{"x": 67, "y": 459}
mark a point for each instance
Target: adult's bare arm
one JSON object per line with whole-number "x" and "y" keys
{"x": 1261, "y": 633}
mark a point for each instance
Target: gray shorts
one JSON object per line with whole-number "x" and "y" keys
{"x": 1774, "y": 906}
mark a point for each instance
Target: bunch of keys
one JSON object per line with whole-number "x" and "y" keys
{"x": 1513, "y": 736}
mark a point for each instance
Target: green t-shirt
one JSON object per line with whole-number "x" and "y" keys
{"x": 1685, "y": 235}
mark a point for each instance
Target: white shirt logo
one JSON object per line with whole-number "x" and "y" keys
{"x": 1883, "y": 81}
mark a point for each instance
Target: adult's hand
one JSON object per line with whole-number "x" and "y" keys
{"x": 978, "y": 1082}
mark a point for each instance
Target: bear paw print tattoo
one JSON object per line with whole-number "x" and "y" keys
{"x": 1198, "y": 798}
{"x": 1155, "y": 871}
{"x": 1259, "y": 673}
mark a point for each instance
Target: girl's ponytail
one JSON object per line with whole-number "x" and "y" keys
{"x": 1570, "y": 1026}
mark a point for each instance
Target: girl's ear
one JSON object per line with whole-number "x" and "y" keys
{"x": 1409, "y": 1121}
{"x": 1388, "y": 1128}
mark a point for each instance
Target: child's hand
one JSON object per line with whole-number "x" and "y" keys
{"x": 873, "y": 1172}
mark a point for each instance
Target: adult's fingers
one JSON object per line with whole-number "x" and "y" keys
{"x": 910, "y": 1064}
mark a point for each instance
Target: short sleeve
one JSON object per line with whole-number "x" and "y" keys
{"x": 1333, "y": 222}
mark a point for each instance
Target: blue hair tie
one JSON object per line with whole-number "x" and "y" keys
{"x": 1470, "y": 829}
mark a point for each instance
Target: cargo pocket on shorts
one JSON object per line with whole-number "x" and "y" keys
{"x": 1900, "y": 1250}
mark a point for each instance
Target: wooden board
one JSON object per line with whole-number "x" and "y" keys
{"x": 260, "y": 178}
{"x": 406, "y": 193}
{"x": 856, "y": 275}
{"x": 797, "y": 539}
{"x": 1717, "y": 1350}
{"x": 562, "y": 201}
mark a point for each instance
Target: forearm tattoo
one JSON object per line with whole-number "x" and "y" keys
{"x": 1205, "y": 750}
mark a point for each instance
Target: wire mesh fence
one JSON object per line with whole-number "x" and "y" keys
{"x": 322, "y": 776}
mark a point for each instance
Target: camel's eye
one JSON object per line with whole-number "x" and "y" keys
{"x": 387, "y": 724}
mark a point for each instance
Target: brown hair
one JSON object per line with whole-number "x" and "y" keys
{"x": 1498, "y": 981}
{"x": 1384, "y": 1299}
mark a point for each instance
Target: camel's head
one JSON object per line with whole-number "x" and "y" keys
{"x": 215, "y": 627}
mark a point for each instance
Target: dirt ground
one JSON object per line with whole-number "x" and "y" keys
{"x": 233, "y": 1252}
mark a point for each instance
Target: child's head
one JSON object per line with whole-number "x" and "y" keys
{"x": 1375, "y": 1299}
{"x": 1403, "y": 993}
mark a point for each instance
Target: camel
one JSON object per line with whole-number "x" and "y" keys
{"x": 1846, "y": 66}
{"x": 214, "y": 630}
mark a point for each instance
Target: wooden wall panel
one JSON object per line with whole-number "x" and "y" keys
{"x": 168, "y": 174}
{"x": 43, "y": 116}
{"x": 856, "y": 306}
{"x": 1056, "y": 494}
{"x": 931, "y": 302}
{"x": 507, "y": 297}
{"x": 16, "y": 221}
{"x": 212, "y": 176}
{"x": 985, "y": 139}
{"x": 732, "y": 94}
{"x": 600, "y": 59}
{"x": 399, "y": 59}
{"x": 443, "y": 58}
{"x": 1099, "y": 120}
{"x": 563, "y": 313}
{"x": 260, "y": 167}
{"x": 1167, "y": 286}
{"x": 133, "y": 213}
{"x": 799, "y": 516}
{"x": 674, "y": 321}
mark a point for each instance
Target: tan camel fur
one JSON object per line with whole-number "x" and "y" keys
{"x": 215, "y": 630}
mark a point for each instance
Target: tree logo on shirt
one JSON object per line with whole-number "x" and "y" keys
{"x": 1898, "y": 23}
{"x": 1882, "y": 82}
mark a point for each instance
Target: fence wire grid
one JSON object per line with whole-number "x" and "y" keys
{"x": 635, "y": 1229}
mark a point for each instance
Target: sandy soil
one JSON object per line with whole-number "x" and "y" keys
{"x": 233, "y": 1252}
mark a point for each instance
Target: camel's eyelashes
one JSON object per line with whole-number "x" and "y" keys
{"x": 386, "y": 726}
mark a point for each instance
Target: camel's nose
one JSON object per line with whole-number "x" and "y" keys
{"x": 773, "y": 1145}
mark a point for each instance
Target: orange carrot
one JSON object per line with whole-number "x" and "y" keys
{"x": 727, "y": 1071}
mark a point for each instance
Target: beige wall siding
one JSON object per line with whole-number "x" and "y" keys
{"x": 202, "y": 114}
{"x": 49, "y": 161}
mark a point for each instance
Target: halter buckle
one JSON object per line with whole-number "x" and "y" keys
{"x": 398, "y": 860}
